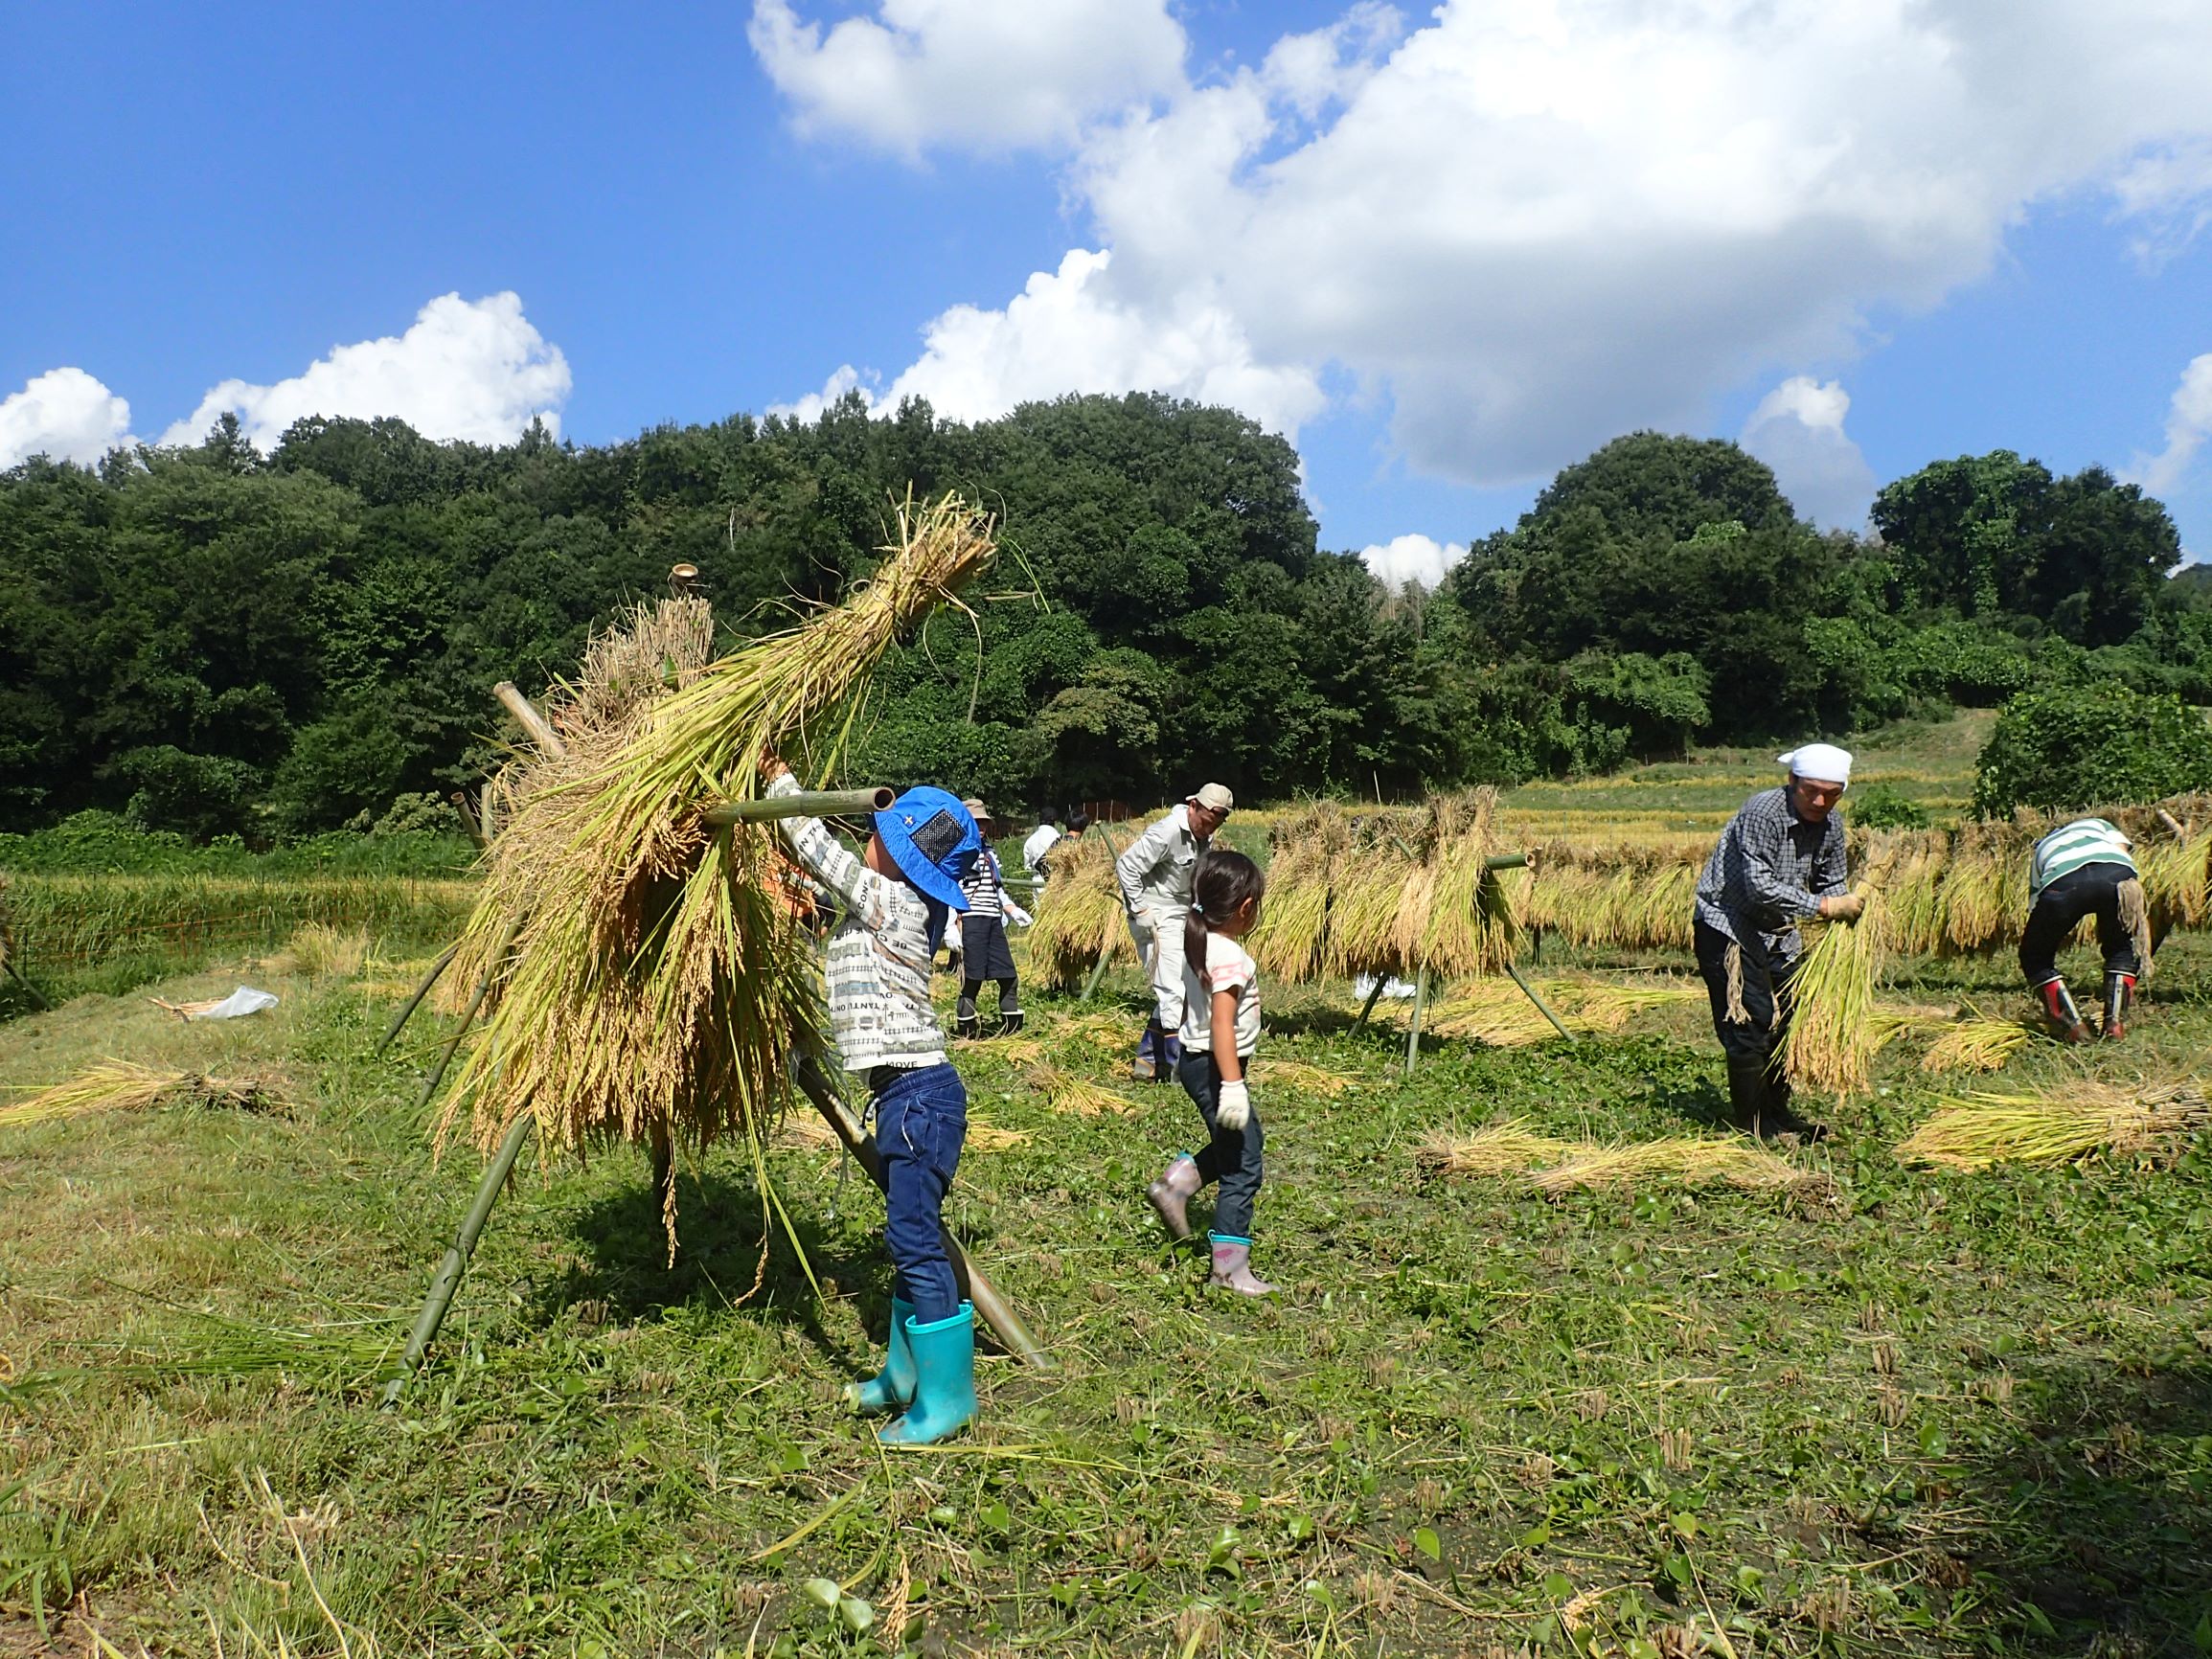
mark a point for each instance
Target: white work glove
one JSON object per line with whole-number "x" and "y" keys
{"x": 1233, "y": 1106}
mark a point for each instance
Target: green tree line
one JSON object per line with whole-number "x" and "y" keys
{"x": 215, "y": 641}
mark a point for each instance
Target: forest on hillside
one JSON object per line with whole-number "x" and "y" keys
{"x": 217, "y": 642}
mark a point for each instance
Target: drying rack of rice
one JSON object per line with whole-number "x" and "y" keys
{"x": 1974, "y": 1131}
{"x": 1544, "y": 1163}
{"x": 634, "y": 971}
{"x": 1627, "y": 898}
{"x": 1390, "y": 891}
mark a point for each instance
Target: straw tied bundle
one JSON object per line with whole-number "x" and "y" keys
{"x": 644, "y": 976}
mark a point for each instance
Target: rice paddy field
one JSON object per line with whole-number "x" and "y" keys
{"x": 1559, "y": 1365}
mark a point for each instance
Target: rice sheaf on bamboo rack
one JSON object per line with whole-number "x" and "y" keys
{"x": 1383, "y": 890}
{"x": 649, "y": 978}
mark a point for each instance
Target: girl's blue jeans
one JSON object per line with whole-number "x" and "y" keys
{"x": 920, "y": 1121}
{"x": 1232, "y": 1157}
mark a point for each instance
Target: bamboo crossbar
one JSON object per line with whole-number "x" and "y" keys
{"x": 807, "y": 804}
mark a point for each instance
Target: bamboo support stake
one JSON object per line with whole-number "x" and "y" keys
{"x": 407, "y": 1011}
{"x": 1368, "y": 1007}
{"x": 1413, "y": 1026}
{"x": 455, "y": 1262}
{"x": 460, "y": 799}
{"x": 526, "y": 715}
{"x": 1542, "y": 1006}
{"x": 1097, "y": 972}
{"x": 976, "y": 1286}
{"x": 28, "y": 990}
{"x": 491, "y": 967}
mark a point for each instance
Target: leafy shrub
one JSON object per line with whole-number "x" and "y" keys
{"x": 1885, "y": 807}
{"x": 2087, "y": 745}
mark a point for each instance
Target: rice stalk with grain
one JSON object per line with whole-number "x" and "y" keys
{"x": 1975, "y": 1131}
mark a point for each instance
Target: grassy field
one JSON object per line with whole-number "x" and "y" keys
{"x": 1901, "y": 1411}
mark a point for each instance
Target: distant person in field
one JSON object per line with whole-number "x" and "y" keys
{"x": 984, "y": 953}
{"x": 1037, "y": 851}
{"x": 1781, "y": 858}
{"x": 1155, "y": 882}
{"x": 2085, "y": 868}
{"x": 1221, "y": 1028}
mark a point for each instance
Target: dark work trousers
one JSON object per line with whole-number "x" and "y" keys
{"x": 1232, "y": 1156}
{"x": 2092, "y": 890}
{"x": 920, "y": 1121}
{"x": 1766, "y": 981}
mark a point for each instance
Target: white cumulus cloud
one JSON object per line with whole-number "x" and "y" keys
{"x": 473, "y": 370}
{"x": 979, "y": 75}
{"x": 1530, "y": 225}
{"x": 1405, "y": 558}
{"x": 63, "y": 413}
{"x": 1798, "y": 431}
{"x": 2188, "y": 424}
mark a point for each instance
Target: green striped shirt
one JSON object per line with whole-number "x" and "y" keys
{"x": 2070, "y": 846}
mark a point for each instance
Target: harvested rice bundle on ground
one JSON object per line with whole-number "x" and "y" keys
{"x": 1892, "y": 1020}
{"x": 1079, "y": 914}
{"x": 1609, "y": 1007}
{"x": 1469, "y": 927}
{"x": 1677, "y": 1161}
{"x": 120, "y": 1086}
{"x": 1980, "y": 1045}
{"x": 1300, "y": 1077}
{"x": 1504, "y": 1149}
{"x": 648, "y": 978}
{"x": 1833, "y": 1036}
{"x": 1544, "y": 1163}
{"x": 1289, "y": 941}
{"x": 1063, "y": 1091}
{"x": 1975, "y": 1131}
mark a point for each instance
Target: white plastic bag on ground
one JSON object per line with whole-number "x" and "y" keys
{"x": 241, "y": 1002}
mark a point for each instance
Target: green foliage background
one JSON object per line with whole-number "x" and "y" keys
{"x": 217, "y": 644}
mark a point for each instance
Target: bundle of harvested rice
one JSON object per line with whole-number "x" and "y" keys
{"x": 1974, "y": 1131}
{"x": 1978, "y": 1045}
{"x": 1677, "y": 1161}
{"x": 1063, "y": 1091}
{"x": 1544, "y": 1163}
{"x": 646, "y": 977}
{"x": 1370, "y": 883}
{"x": 1460, "y": 923}
{"x": 1299, "y": 1076}
{"x": 1287, "y": 944}
{"x": 1079, "y": 916}
{"x": 121, "y": 1086}
{"x": 1913, "y": 895}
{"x": 1891, "y": 1020}
{"x": 1833, "y": 1036}
{"x": 1984, "y": 888}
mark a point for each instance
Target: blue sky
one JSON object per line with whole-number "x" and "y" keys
{"x": 1447, "y": 252}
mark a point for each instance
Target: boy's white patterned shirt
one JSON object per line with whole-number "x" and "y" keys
{"x": 878, "y": 959}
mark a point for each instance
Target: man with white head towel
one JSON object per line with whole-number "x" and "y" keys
{"x": 1781, "y": 858}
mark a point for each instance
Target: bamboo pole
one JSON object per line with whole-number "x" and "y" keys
{"x": 1542, "y": 1006}
{"x": 460, "y": 799}
{"x": 491, "y": 967}
{"x": 407, "y": 1011}
{"x": 526, "y": 715}
{"x": 976, "y": 1286}
{"x": 455, "y": 1262}
{"x": 1098, "y": 969}
{"x": 807, "y": 804}
{"x": 28, "y": 990}
{"x": 1413, "y": 1026}
{"x": 1368, "y": 1007}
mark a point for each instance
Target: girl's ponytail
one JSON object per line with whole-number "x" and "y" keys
{"x": 1220, "y": 887}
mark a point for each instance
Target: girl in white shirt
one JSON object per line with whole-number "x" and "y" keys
{"x": 1219, "y": 1031}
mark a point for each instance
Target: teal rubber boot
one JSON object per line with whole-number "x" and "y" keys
{"x": 944, "y": 1371}
{"x": 893, "y": 1390}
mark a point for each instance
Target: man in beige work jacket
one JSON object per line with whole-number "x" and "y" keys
{"x": 1155, "y": 882}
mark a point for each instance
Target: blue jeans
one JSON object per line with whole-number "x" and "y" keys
{"x": 920, "y": 1121}
{"x": 1231, "y": 1156}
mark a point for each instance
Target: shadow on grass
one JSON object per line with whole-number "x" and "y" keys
{"x": 621, "y": 1273}
{"x": 2099, "y": 1513}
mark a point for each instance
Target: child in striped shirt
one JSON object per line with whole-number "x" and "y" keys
{"x": 897, "y": 901}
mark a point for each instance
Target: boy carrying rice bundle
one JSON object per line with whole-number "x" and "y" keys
{"x": 1781, "y": 858}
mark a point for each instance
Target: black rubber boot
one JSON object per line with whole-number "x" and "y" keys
{"x": 2119, "y": 999}
{"x": 1777, "y": 1117}
{"x": 965, "y": 1022}
{"x": 1746, "y": 1091}
{"x": 1009, "y": 1021}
